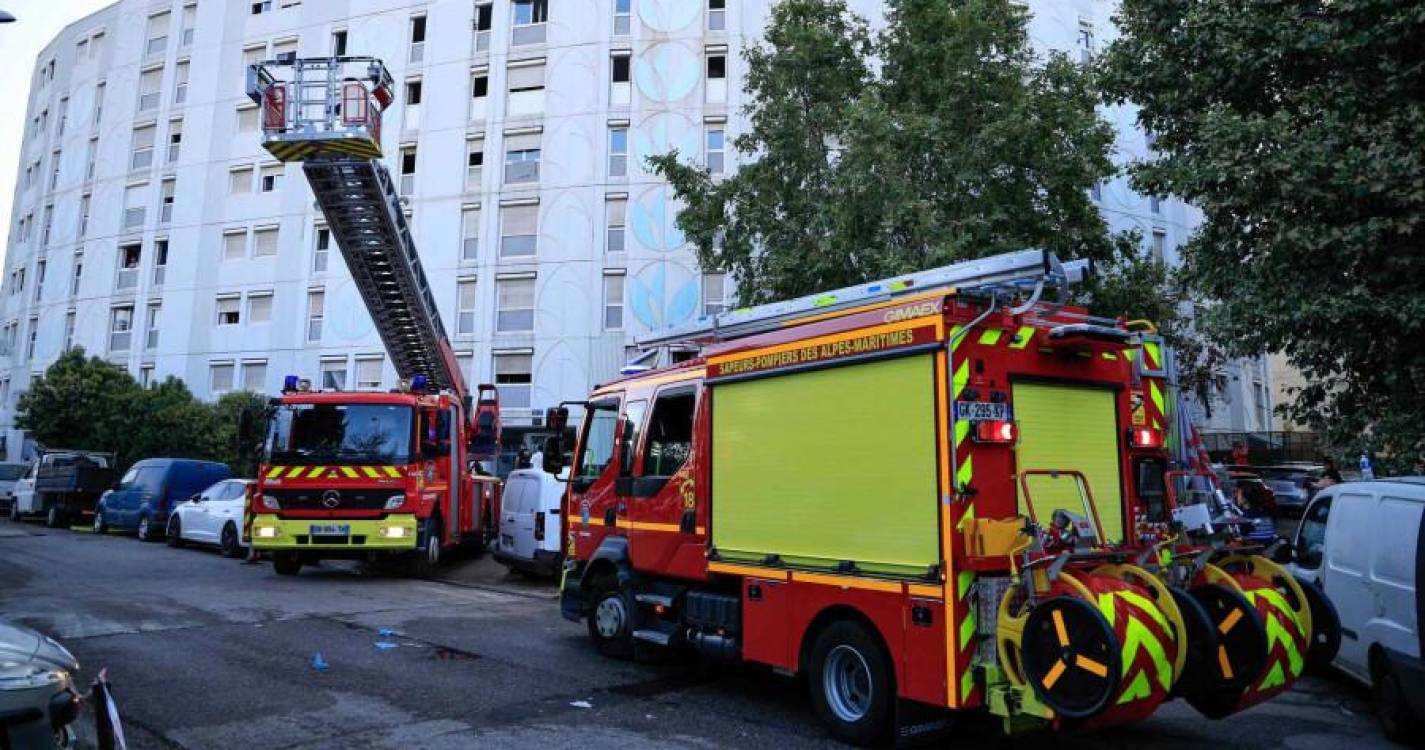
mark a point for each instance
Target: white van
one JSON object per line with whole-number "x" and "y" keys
{"x": 1363, "y": 543}
{"x": 529, "y": 522}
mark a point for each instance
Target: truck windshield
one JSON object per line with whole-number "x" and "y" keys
{"x": 340, "y": 434}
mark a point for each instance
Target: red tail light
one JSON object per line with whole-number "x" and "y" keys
{"x": 1142, "y": 437}
{"x": 995, "y": 431}
{"x": 539, "y": 526}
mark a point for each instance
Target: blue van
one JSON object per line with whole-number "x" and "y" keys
{"x": 150, "y": 490}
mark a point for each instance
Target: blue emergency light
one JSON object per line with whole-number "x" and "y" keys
{"x": 289, "y": 383}
{"x": 418, "y": 384}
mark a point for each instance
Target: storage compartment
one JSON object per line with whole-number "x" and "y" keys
{"x": 1070, "y": 427}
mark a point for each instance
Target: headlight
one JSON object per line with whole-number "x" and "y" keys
{"x": 269, "y": 502}
{"x": 265, "y": 532}
{"x": 395, "y": 501}
{"x": 396, "y": 532}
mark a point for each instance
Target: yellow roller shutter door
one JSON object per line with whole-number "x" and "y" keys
{"x": 1070, "y": 427}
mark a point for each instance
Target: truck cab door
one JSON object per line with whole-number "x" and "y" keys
{"x": 593, "y": 503}
{"x": 662, "y": 505}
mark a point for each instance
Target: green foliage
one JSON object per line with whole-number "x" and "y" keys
{"x": 956, "y": 143}
{"x": 1297, "y": 126}
{"x": 95, "y": 405}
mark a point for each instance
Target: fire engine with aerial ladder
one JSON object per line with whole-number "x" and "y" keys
{"x": 942, "y": 492}
{"x": 362, "y": 475}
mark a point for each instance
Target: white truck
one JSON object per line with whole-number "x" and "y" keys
{"x": 62, "y": 485}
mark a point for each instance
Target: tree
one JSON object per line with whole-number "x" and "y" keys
{"x": 241, "y": 417}
{"x": 1296, "y": 126}
{"x": 77, "y": 403}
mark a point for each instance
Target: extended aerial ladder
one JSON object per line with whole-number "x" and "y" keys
{"x": 327, "y": 115}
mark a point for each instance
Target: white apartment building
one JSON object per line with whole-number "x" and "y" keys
{"x": 150, "y": 228}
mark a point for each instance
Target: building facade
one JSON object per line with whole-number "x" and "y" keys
{"x": 150, "y": 228}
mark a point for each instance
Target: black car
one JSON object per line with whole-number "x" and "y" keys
{"x": 1292, "y": 483}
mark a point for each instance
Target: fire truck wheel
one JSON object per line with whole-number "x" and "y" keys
{"x": 851, "y": 683}
{"x": 286, "y": 563}
{"x": 230, "y": 545}
{"x": 611, "y": 619}
{"x": 174, "y": 535}
{"x": 426, "y": 558}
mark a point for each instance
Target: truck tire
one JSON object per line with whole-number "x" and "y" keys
{"x": 851, "y": 683}
{"x": 610, "y": 618}
{"x": 286, "y": 563}
{"x": 174, "y": 535}
{"x": 429, "y": 546}
{"x": 230, "y": 545}
{"x": 55, "y": 517}
{"x": 1397, "y": 722}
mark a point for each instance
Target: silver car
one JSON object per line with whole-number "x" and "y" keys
{"x": 38, "y": 700}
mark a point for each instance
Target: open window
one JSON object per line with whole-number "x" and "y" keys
{"x": 669, "y": 440}
{"x": 596, "y": 449}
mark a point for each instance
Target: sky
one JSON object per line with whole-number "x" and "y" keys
{"x": 36, "y": 23}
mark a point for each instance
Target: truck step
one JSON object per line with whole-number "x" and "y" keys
{"x": 653, "y": 636}
{"x": 654, "y": 599}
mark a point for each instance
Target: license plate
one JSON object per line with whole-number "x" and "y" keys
{"x": 330, "y": 529}
{"x": 977, "y": 411}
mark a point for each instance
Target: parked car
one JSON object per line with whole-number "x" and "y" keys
{"x": 1292, "y": 483}
{"x": 62, "y": 486}
{"x": 9, "y": 475}
{"x": 529, "y": 522}
{"x": 1363, "y": 543}
{"x": 215, "y": 516}
{"x": 150, "y": 490}
{"x": 1257, "y": 494}
{"x": 38, "y": 700}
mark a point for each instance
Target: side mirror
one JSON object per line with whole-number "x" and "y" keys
{"x": 556, "y": 418}
{"x": 195, "y": 498}
{"x": 1284, "y": 552}
{"x": 553, "y": 454}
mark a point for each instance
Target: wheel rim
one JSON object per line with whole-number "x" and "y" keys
{"x": 143, "y": 527}
{"x": 174, "y": 530}
{"x": 229, "y": 538}
{"x": 847, "y": 679}
{"x": 98, "y": 521}
{"x": 610, "y": 616}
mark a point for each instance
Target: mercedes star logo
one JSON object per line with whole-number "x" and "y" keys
{"x": 331, "y": 498}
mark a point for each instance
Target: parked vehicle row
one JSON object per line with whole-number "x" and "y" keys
{"x": 150, "y": 490}
{"x": 62, "y": 486}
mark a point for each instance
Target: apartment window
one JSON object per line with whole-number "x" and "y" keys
{"x": 613, "y": 300}
{"x": 160, "y": 260}
{"x": 465, "y": 360}
{"x": 264, "y": 242}
{"x": 32, "y": 338}
{"x": 470, "y": 234}
{"x": 69, "y": 330}
{"x": 141, "y": 156}
{"x": 319, "y": 257}
{"x": 1155, "y": 204}
{"x": 96, "y": 45}
{"x": 316, "y": 302}
{"x": 714, "y": 293}
{"x": 717, "y": 149}
{"x": 411, "y": 118}
{"x": 240, "y": 180}
{"x": 259, "y": 307}
{"x": 91, "y": 156}
{"x": 81, "y": 50}
{"x": 620, "y": 86}
{"x": 270, "y": 178}
{"x": 616, "y": 211}
{"x": 334, "y": 374}
{"x": 514, "y": 308}
{"x": 251, "y": 55}
{"x": 165, "y": 207}
{"x": 149, "y": 82}
{"x": 47, "y": 227}
{"x": 514, "y": 376}
{"x": 623, "y": 17}
{"x": 519, "y": 230}
{"x": 235, "y": 245}
{"x": 522, "y": 155}
{"x": 150, "y": 340}
{"x": 418, "y": 39}
{"x": 39, "y": 280}
{"x": 54, "y": 163}
{"x": 1097, "y": 191}
{"x": 175, "y": 140}
{"x": 220, "y": 374}
{"x": 134, "y": 210}
{"x": 479, "y": 93}
{"x": 1086, "y": 40}
{"x": 99, "y": 89}
{"x": 247, "y": 119}
{"x": 190, "y": 21}
{"x": 339, "y": 43}
{"x": 526, "y": 84}
{"x": 1160, "y": 244}
{"x": 465, "y": 306}
{"x": 261, "y": 6}
{"x": 157, "y": 35}
{"x": 78, "y": 273}
{"x": 63, "y": 115}
{"x": 180, "y": 83}
{"x": 484, "y": 17}
{"x": 618, "y": 152}
{"x": 254, "y": 375}
{"x": 121, "y": 324}
{"x": 717, "y": 15}
{"x": 285, "y": 51}
{"x": 229, "y": 310}
{"x": 128, "y": 273}
{"x": 474, "y": 164}
{"x": 717, "y": 78}
{"x": 530, "y": 19}
{"x": 84, "y": 202}
{"x": 408, "y": 170}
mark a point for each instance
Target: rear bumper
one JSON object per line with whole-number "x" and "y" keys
{"x": 395, "y": 533}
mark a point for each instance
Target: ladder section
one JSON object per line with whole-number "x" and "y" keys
{"x": 363, "y": 212}
{"x": 1030, "y": 272}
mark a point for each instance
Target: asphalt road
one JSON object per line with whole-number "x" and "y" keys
{"x": 205, "y": 652}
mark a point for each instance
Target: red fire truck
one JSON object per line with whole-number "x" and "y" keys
{"x": 357, "y": 475}
{"x": 940, "y": 491}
